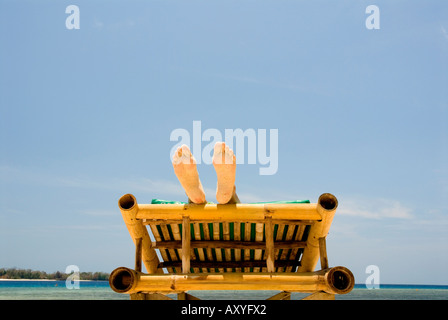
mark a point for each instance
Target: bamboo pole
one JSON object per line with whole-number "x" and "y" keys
{"x": 269, "y": 234}
{"x": 186, "y": 245}
{"x": 281, "y": 296}
{"x": 129, "y": 208}
{"x": 138, "y": 255}
{"x": 320, "y": 295}
{"x": 277, "y": 221}
{"x": 186, "y": 296}
{"x": 326, "y": 207}
{"x": 337, "y": 280}
{"x": 229, "y": 212}
{"x": 323, "y": 253}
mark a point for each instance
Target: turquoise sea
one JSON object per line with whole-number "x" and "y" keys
{"x": 100, "y": 290}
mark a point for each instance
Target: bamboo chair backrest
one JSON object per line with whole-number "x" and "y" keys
{"x": 230, "y": 246}
{"x": 266, "y": 237}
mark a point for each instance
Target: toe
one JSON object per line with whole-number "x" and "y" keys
{"x": 179, "y": 152}
{"x": 219, "y": 146}
{"x": 185, "y": 150}
{"x": 176, "y": 157}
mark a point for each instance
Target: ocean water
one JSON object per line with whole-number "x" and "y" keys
{"x": 100, "y": 290}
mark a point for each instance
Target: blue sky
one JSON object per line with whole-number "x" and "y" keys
{"x": 86, "y": 116}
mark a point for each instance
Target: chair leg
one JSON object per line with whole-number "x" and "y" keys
{"x": 149, "y": 296}
{"x": 186, "y": 296}
{"x": 320, "y": 295}
{"x": 281, "y": 296}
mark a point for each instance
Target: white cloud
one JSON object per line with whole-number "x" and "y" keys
{"x": 99, "y": 212}
{"x": 374, "y": 208}
{"x": 31, "y": 176}
{"x": 363, "y": 207}
{"x": 116, "y": 25}
{"x": 156, "y": 187}
{"x": 98, "y": 24}
{"x": 444, "y": 32}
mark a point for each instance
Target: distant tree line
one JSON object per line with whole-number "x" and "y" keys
{"x": 14, "y": 273}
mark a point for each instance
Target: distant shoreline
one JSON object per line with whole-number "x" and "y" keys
{"x": 28, "y": 280}
{"x": 46, "y": 280}
{"x": 28, "y": 275}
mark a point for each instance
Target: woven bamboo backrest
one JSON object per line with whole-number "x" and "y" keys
{"x": 230, "y": 246}
{"x": 269, "y": 237}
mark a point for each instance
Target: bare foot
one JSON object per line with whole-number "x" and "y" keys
{"x": 224, "y": 162}
{"x": 184, "y": 165}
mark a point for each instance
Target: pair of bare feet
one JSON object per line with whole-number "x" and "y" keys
{"x": 224, "y": 162}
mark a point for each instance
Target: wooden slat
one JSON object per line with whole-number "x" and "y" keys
{"x": 216, "y": 236}
{"x": 223, "y": 263}
{"x": 207, "y": 238}
{"x": 226, "y": 237}
{"x": 258, "y": 237}
{"x": 228, "y": 264}
{"x": 175, "y": 230}
{"x": 294, "y": 252}
{"x": 279, "y": 236}
{"x": 237, "y": 237}
{"x": 158, "y": 238}
{"x": 281, "y": 232}
{"x": 197, "y": 236}
{"x": 269, "y": 234}
{"x": 228, "y": 244}
{"x": 289, "y": 234}
{"x": 186, "y": 245}
{"x": 172, "y": 252}
{"x": 247, "y": 252}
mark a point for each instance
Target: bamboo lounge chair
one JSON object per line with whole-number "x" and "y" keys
{"x": 263, "y": 246}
